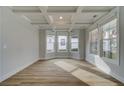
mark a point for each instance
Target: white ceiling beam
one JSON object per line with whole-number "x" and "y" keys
{"x": 74, "y": 17}
{"x": 57, "y": 13}
{"x": 48, "y": 16}
{"x": 43, "y": 10}
{"x": 38, "y": 23}
{"x": 41, "y": 24}
{"x": 95, "y": 11}
{"x": 26, "y": 18}
{"x": 49, "y": 19}
{"x": 28, "y": 13}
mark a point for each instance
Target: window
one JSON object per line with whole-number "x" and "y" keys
{"x": 109, "y": 40}
{"x": 94, "y": 41}
{"x": 62, "y": 43}
{"x": 74, "y": 43}
{"x": 50, "y": 43}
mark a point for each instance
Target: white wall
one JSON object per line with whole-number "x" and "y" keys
{"x": 115, "y": 70}
{"x": 20, "y": 43}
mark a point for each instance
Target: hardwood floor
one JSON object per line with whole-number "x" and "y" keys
{"x": 60, "y": 72}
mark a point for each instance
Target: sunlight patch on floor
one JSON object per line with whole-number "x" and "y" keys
{"x": 65, "y": 66}
{"x": 91, "y": 79}
{"x": 85, "y": 76}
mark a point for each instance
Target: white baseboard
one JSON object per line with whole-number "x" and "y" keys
{"x": 47, "y": 58}
{"x": 121, "y": 79}
{"x": 81, "y": 59}
{"x": 6, "y": 76}
{"x": 61, "y": 58}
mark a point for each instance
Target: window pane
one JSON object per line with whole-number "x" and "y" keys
{"x": 94, "y": 41}
{"x": 106, "y": 48}
{"x": 62, "y": 43}
{"x": 114, "y": 48}
{"x": 74, "y": 43}
{"x": 50, "y": 43}
{"x": 106, "y": 35}
{"x": 110, "y": 39}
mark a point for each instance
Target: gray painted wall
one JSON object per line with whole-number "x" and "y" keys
{"x": 42, "y": 44}
{"x": 82, "y": 44}
{"x": 20, "y": 43}
{"x": 115, "y": 70}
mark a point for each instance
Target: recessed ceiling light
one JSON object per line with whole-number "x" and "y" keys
{"x": 60, "y": 17}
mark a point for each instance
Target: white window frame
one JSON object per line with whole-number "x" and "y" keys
{"x": 97, "y": 42}
{"x": 113, "y": 61}
{"x": 53, "y": 44}
{"x": 71, "y": 43}
{"x": 58, "y": 50}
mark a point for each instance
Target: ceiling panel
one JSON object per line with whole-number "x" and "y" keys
{"x": 97, "y": 8}
{"x": 89, "y": 17}
{"x": 64, "y": 20}
{"x": 37, "y": 18}
{"x": 72, "y": 17}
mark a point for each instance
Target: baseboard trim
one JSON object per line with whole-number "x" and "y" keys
{"x": 113, "y": 75}
{"x": 78, "y": 59}
{"x": 45, "y": 59}
{"x": 10, "y": 74}
{"x": 119, "y": 78}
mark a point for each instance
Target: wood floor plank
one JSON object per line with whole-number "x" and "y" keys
{"x": 47, "y": 73}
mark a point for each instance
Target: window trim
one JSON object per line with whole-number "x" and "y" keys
{"x": 97, "y": 41}
{"x": 58, "y": 50}
{"x": 71, "y": 43}
{"x": 53, "y": 43}
{"x": 113, "y": 61}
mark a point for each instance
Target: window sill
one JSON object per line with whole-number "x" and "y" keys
{"x": 63, "y": 51}
{"x": 50, "y": 52}
{"x": 93, "y": 54}
{"x": 74, "y": 51}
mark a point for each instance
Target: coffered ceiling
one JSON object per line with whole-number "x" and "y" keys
{"x": 62, "y": 17}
